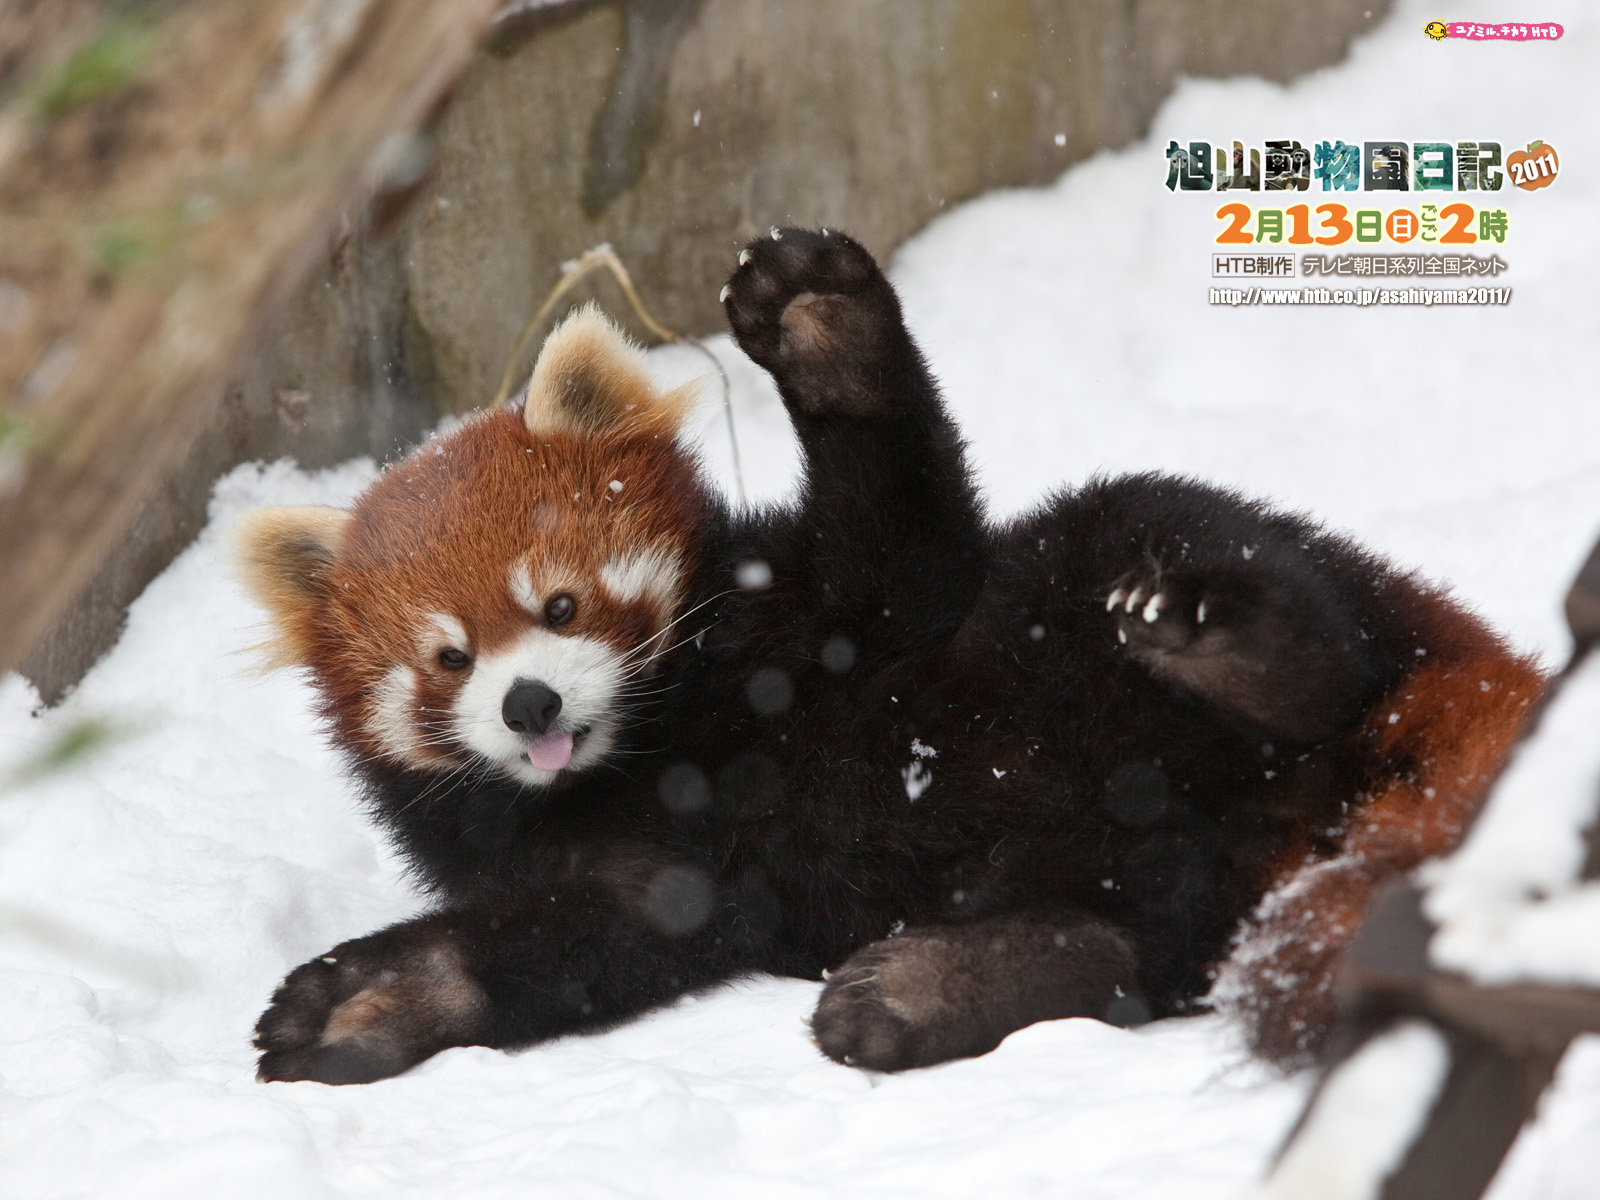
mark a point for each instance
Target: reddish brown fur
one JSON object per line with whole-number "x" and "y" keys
{"x": 1439, "y": 739}
{"x": 501, "y": 494}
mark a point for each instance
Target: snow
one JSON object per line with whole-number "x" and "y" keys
{"x": 1364, "y": 1118}
{"x": 152, "y": 895}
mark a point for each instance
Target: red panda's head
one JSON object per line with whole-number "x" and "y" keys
{"x": 493, "y": 598}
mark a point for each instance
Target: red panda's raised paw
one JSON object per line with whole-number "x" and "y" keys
{"x": 812, "y": 307}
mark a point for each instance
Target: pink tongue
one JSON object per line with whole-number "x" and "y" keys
{"x": 551, "y": 752}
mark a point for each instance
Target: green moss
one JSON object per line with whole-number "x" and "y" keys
{"x": 15, "y": 430}
{"x": 78, "y": 741}
{"x": 108, "y": 64}
{"x": 23, "y": 434}
{"x": 121, "y": 245}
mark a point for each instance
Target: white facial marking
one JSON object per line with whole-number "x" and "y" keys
{"x": 392, "y": 717}
{"x": 450, "y": 632}
{"x": 522, "y": 589}
{"x": 651, "y": 574}
{"x": 585, "y": 672}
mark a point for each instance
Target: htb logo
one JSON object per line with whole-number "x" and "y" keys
{"x": 1473, "y": 31}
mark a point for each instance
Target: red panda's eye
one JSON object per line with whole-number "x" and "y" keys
{"x": 558, "y": 610}
{"x": 454, "y": 660}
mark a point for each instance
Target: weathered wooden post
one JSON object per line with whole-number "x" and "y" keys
{"x": 1481, "y": 1055}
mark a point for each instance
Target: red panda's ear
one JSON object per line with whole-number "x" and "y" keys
{"x": 284, "y": 557}
{"x": 591, "y": 379}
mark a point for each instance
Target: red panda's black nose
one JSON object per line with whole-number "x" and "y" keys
{"x": 529, "y": 707}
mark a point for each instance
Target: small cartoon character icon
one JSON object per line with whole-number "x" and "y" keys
{"x": 1437, "y": 30}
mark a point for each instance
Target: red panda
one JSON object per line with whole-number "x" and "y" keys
{"x": 634, "y": 743}
{"x": 557, "y": 543}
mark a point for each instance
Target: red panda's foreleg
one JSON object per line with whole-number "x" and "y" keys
{"x": 888, "y": 547}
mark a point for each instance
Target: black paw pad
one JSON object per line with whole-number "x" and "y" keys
{"x": 365, "y": 1011}
{"x": 812, "y": 307}
{"x": 300, "y": 1007}
{"x": 859, "y": 1024}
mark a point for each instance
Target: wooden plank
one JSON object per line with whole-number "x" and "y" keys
{"x": 1505, "y": 1041}
{"x": 1521, "y": 1017}
{"x": 1505, "y": 1044}
{"x": 1486, "y": 1099}
{"x": 1389, "y": 958}
{"x": 1583, "y": 603}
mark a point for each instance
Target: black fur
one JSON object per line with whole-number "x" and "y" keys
{"x": 1094, "y": 819}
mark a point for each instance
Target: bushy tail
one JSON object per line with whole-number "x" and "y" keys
{"x": 1439, "y": 739}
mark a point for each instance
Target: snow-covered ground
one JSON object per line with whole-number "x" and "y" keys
{"x": 152, "y": 896}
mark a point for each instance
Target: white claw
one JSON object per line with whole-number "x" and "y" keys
{"x": 1122, "y": 636}
{"x": 777, "y": 234}
{"x": 744, "y": 257}
{"x": 826, "y": 231}
{"x": 1200, "y": 614}
{"x": 826, "y": 974}
{"x": 1116, "y": 598}
{"x": 1135, "y": 598}
{"x": 722, "y": 296}
{"x": 1152, "y": 610}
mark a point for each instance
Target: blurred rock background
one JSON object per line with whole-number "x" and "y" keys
{"x": 672, "y": 129}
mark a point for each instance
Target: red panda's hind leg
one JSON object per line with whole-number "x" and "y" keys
{"x": 940, "y": 992}
{"x": 1269, "y": 641}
